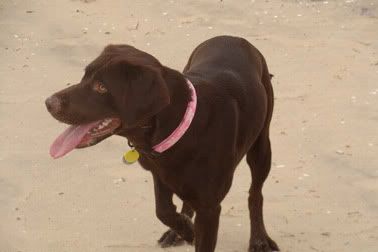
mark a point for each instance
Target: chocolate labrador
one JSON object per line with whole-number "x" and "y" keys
{"x": 191, "y": 129}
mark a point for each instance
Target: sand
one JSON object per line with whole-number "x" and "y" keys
{"x": 322, "y": 193}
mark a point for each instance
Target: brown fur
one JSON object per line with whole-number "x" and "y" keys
{"x": 235, "y": 103}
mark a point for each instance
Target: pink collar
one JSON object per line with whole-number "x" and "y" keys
{"x": 183, "y": 126}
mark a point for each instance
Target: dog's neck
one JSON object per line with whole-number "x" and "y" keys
{"x": 167, "y": 120}
{"x": 156, "y": 129}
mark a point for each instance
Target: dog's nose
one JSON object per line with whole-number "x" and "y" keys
{"x": 53, "y": 104}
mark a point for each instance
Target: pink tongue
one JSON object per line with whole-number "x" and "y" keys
{"x": 70, "y": 138}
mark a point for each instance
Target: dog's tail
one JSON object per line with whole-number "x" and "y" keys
{"x": 266, "y": 81}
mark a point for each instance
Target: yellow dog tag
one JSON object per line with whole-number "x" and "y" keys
{"x": 131, "y": 156}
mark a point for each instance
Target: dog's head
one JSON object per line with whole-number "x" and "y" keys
{"x": 120, "y": 89}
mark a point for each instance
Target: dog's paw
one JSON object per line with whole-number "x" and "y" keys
{"x": 170, "y": 239}
{"x": 264, "y": 244}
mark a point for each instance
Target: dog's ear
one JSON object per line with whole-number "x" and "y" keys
{"x": 139, "y": 91}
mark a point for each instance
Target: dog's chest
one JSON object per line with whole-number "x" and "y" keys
{"x": 177, "y": 176}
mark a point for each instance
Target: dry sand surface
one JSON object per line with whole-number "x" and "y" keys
{"x": 322, "y": 194}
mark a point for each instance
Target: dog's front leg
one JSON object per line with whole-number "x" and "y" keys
{"x": 206, "y": 229}
{"x": 180, "y": 224}
{"x": 170, "y": 237}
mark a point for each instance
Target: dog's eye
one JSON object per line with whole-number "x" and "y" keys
{"x": 100, "y": 88}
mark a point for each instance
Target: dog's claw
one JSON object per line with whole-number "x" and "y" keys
{"x": 170, "y": 239}
{"x": 265, "y": 244}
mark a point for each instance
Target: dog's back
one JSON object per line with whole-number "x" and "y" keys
{"x": 235, "y": 70}
{"x": 226, "y": 55}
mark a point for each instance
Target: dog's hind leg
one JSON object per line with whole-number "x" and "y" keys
{"x": 259, "y": 161}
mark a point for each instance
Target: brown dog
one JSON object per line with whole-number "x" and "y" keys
{"x": 128, "y": 92}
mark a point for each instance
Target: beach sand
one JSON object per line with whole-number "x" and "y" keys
{"x": 322, "y": 193}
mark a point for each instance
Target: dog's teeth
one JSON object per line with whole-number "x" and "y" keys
{"x": 105, "y": 122}
{"x": 102, "y": 125}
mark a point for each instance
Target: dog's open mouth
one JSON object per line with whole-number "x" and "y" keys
{"x": 80, "y": 136}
